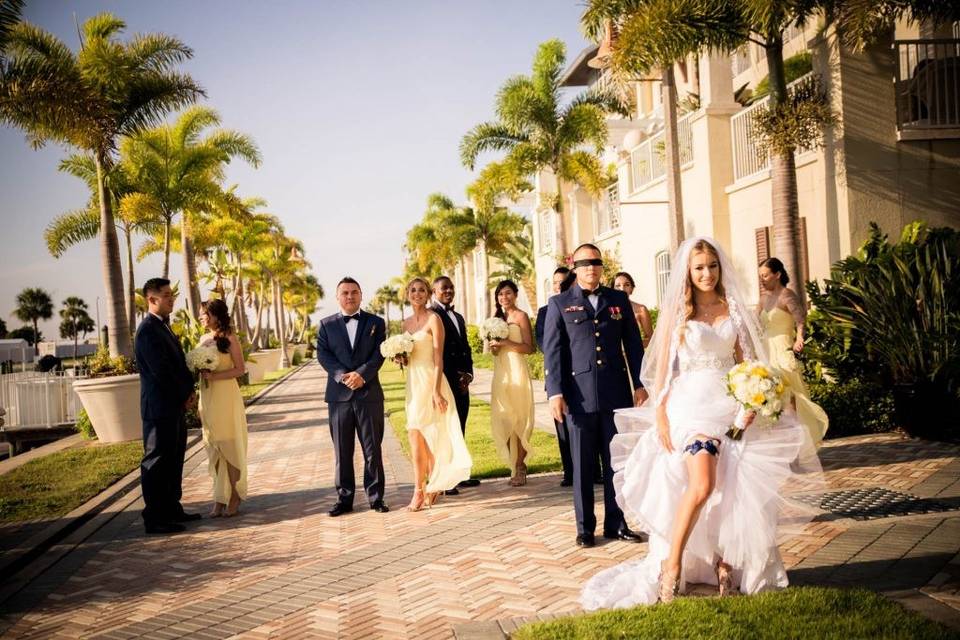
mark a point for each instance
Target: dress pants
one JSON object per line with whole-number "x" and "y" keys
{"x": 461, "y": 399}
{"x": 590, "y": 436}
{"x": 161, "y": 469}
{"x": 563, "y": 442}
{"x": 348, "y": 421}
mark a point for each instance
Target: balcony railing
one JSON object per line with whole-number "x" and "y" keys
{"x": 647, "y": 160}
{"x": 928, "y": 84}
{"x": 747, "y": 158}
{"x": 545, "y": 229}
{"x": 608, "y": 210}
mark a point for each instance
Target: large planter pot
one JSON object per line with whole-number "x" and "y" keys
{"x": 113, "y": 406}
{"x": 261, "y": 362}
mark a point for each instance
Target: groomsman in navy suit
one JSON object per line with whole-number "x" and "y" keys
{"x": 348, "y": 348}
{"x": 563, "y": 437}
{"x": 592, "y": 350}
{"x": 457, "y": 356}
{"x": 166, "y": 392}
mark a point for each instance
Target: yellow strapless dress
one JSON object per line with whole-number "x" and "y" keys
{"x": 224, "y": 420}
{"x": 779, "y": 327}
{"x": 441, "y": 431}
{"x": 511, "y": 403}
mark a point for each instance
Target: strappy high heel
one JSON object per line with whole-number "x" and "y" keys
{"x": 724, "y": 578}
{"x": 416, "y": 503}
{"x": 520, "y": 478}
{"x": 669, "y": 585}
{"x": 433, "y": 498}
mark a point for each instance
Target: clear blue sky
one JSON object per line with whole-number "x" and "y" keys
{"x": 358, "y": 108}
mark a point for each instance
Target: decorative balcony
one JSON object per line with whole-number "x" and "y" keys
{"x": 647, "y": 161}
{"x": 927, "y": 85}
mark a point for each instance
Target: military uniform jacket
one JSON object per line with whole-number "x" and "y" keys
{"x": 592, "y": 355}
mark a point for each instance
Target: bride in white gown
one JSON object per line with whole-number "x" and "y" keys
{"x": 710, "y": 504}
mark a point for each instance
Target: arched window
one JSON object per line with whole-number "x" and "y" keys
{"x": 662, "y": 265}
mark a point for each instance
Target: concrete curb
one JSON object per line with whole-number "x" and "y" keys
{"x": 88, "y": 518}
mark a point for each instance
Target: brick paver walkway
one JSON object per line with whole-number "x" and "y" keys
{"x": 472, "y": 566}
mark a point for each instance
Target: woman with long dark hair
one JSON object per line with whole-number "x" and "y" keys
{"x": 623, "y": 281}
{"x": 222, "y": 412}
{"x": 511, "y": 396}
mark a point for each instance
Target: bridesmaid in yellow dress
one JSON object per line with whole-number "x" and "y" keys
{"x": 623, "y": 281}
{"x": 440, "y": 456}
{"x": 511, "y": 396}
{"x": 222, "y": 412}
{"x": 782, "y": 315}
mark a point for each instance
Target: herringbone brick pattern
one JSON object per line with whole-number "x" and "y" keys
{"x": 284, "y": 569}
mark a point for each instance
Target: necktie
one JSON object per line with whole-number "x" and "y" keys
{"x": 353, "y": 317}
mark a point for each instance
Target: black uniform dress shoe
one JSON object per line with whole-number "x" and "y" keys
{"x": 566, "y": 482}
{"x": 452, "y": 492}
{"x": 379, "y": 507}
{"x": 186, "y": 517}
{"x": 598, "y": 480}
{"x": 586, "y": 540}
{"x": 164, "y": 527}
{"x": 339, "y": 509}
{"x": 470, "y": 482}
{"x": 625, "y": 534}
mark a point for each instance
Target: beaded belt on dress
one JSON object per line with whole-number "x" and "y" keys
{"x": 706, "y": 362}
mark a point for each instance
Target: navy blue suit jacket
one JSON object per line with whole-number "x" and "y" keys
{"x": 584, "y": 349}
{"x": 337, "y": 358}
{"x": 165, "y": 380}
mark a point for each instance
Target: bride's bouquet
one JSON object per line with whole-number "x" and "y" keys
{"x": 203, "y": 358}
{"x": 756, "y": 387}
{"x": 398, "y": 348}
{"x": 494, "y": 329}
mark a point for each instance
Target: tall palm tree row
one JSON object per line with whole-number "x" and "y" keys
{"x": 34, "y": 304}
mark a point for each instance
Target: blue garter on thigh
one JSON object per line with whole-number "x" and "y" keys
{"x": 710, "y": 445}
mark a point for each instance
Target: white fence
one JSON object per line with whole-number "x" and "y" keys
{"x": 608, "y": 210}
{"x": 747, "y": 159}
{"x": 36, "y": 399}
{"x": 647, "y": 159}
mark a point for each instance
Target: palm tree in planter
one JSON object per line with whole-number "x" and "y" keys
{"x": 539, "y": 132}
{"x": 74, "y": 320}
{"x": 33, "y": 305}
{"x": 89, "y": 100}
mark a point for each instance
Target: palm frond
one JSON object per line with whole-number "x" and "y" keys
{"x": 71, "y": 228}
{"x": 102, "y": 26}
{"x": 157, "y": 52}
{"x": 487, "y": 136}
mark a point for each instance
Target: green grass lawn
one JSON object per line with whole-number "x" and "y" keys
{"x": 535, "y": 360}
{"x": 250, "y": 390}
{"x": 58, "y": 483}
{"x": 486, "y": 463}
{"x": 802, "y": 612}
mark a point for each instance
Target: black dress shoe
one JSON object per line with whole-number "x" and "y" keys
{"x": 566, "y": 482}
{"x": 586, "y": 540}
{"x": 625, "y": 534}
{"x": 339, "y": 509}
{"x": 452, "y": 492}
{"x": 187, "y": 517}
{"x": 598, "y": 480}
{"x": 164, "y": 527}
{"x": 470, "y": 482}
{"x": 379, "y": 507}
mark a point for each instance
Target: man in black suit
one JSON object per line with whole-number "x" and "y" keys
{"x": 166, "y": 392}
{"x": 348, "y": 348}
{"x": 563, "y": 436}
{"x": 457, "y": 357}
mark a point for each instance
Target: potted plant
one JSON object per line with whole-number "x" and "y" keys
{"x": 111, "y": 397}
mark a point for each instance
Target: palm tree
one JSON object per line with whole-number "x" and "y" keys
{"x": 131, "y": 215}
{"x": 516, "y": 260}
{"x": 90, "y": 100}
{"x": 33, "y": 305}
{"x": 537, "y": 132}
{"x": 10, "y": 11}
{"x": 75, "y": 320}
{"x": 384, "y": 297}
{"x": 180, "y": 171}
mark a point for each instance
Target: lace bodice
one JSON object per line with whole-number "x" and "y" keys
{"x": 707, "y": 347}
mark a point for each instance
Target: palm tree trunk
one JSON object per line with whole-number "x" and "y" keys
{"x": 119, "y": 331}
{"x": 166, "y": 245}
{"x": 672, "y": 157}
{"x": 131, "y": 286}
{"x": 36, "y": 338}
{"x": 189, "y": 267}
{"x": 255, "y": 336}
{"x": 238, "y": 294}
{"x": 282, "y": 328}
{"x": 486, "y": 275}
{"x": 783, "y": 180}
{"x": 561, "y": 233}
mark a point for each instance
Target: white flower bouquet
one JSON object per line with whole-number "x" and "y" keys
{"x": 203, "y": 358}
{"x": 494, "y": 329}
{"x": 756, "y": 387}
{"x": 398, "y": 348}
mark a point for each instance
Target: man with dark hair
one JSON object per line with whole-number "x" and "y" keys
{"x": 166, "y": 392}
{"x": 457, "y": 357}
{"x": 592, "y": 348}
{"x": 348, "y": 348}
{"x": 563, "y": 437}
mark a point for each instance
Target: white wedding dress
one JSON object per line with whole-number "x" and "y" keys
{"x": 739, "y": 522}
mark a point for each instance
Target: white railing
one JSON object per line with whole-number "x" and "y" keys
{"x": 747, "y": 158}
{"x": 648, "y": 158}
{"x": 35, "y": 399}
{"x": 927, "y": 84}
{"x": 740, "y": 61}
{"x": 608, "y": 210}
{"x": 545, "y": 218}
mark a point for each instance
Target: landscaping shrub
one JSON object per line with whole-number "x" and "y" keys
{"x": 473, "y": 337}
{"x": 102, "y": 365}
{"x": 84, "y": 426}
{"x": 297, "y": 358}
{"x": 854, "y": 407}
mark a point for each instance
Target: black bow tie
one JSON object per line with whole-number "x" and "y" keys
{"x": 587, "y": 292}
{"x": 450, "y": 308}
{"x": 353, "y": 317}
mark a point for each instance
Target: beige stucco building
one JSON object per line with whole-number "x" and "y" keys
{"x": 894, "y": 157}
